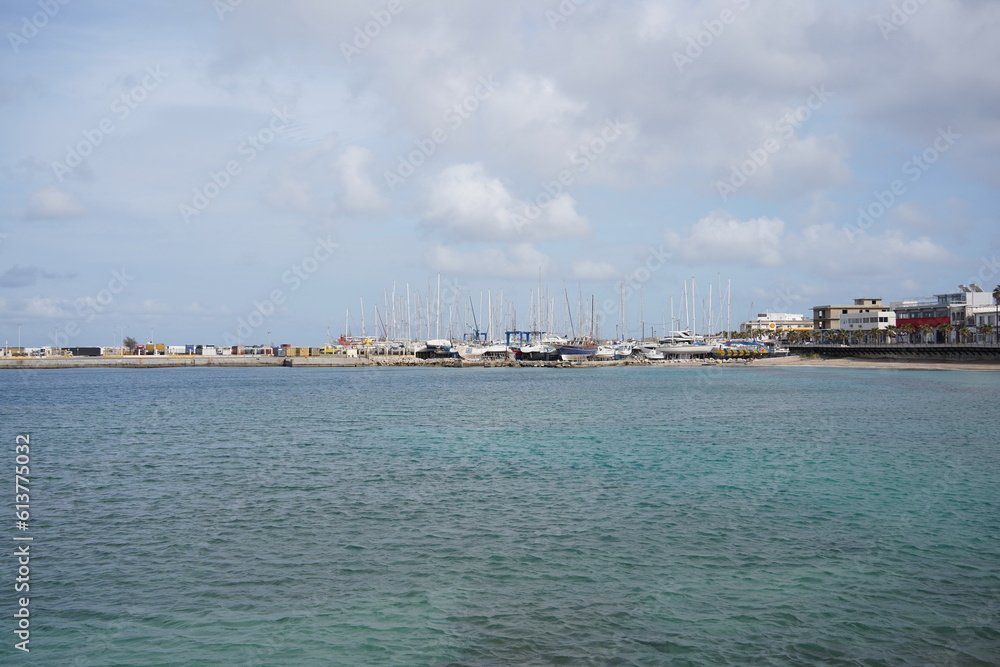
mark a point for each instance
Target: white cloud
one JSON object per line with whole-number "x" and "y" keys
{"x": 588, "y": 269}
{"x": 521, "y": 261}
{"x": 468, "y": 203}
{"x": 291, "y": 193}
{"x": 53, "y": 204}
{"x": 720, "y": 237}
{"x": 360, "y": 193}
{"x": 47, "y": 308}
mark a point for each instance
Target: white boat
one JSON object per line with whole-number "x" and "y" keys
{"x": 605, "y": 352}
{"x": 478, "y": 352}
{"x": 648, "y": 349}
{"x": 682, "y": 344}
{"x": 614, "y": 351}
{"x": 624, "y": 350}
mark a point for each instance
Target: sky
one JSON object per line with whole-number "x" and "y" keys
{"x": 222, "y": 171}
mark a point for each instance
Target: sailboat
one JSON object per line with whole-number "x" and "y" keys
{"x": 682, "y": 344}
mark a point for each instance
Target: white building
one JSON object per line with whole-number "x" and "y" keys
{"x": 867, "y": 321}
{"x": 768, "y": 322}
{"x": 984, "y": 315}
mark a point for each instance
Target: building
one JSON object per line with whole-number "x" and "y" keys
{"x": 828, "y": 317}
{"x": 774, "y": 322}
{"x": 985, "y": 315}
{"x": 958, "y": 308}
{"x": 868, "y": 321}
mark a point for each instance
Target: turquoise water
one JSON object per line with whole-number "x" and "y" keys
{"x": 622, "y": 516}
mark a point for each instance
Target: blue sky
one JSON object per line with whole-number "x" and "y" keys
{"x": 218, "y": 170}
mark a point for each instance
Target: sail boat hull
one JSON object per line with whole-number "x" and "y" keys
{"x": 576, "y": 352}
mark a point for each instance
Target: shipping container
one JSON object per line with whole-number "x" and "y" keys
{"x": 84, "y": 351}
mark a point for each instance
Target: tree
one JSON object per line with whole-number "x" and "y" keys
{"x": 996, "y": 319}
{"x": 129, "y": 343}
{"x": 946, "y": 330}
{"x": 986, "y": 329}
{"x": 925, "y": 330}
{"x": 964, "y": 334}
{"x": 909, "y": 330}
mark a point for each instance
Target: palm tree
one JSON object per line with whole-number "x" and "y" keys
{"x": 996, "y": 320}
{"x": 964, "y": 334}
{"x": 985, "y": 329}
{"x": 908, "y": 330}
{"x": 946, "y": 330}
{"x": 925, "y": 330}
{"x": 891, "y": 331}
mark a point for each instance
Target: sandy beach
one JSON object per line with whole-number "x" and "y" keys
{"x": 796, "y": 360}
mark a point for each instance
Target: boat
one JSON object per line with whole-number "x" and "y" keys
{"x": 683, "y": 344}
{"x": 614, "y": 350}
{"x": 482, "y": 351}
{"x": 544, "y": 347}
{"x": 741, "y": 350}
{"x": 647, "y": 349}
{"x": 577, "y": 349}
{"x": 435, "y": 349}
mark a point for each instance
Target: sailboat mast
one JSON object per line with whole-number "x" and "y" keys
{"x": 569, "y": 312}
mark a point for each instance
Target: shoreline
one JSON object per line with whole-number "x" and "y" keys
{"x": 859, "y": 362}
{"x": 45, "y": 363}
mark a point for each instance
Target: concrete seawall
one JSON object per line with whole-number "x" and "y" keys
{"x": 326, "y": 361}
{"x": 138, "y": 362}
{"x": 906, "y": 352}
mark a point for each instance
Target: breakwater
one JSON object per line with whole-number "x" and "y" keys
{"x": 326, "y": 361}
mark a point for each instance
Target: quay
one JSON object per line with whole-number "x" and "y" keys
{"x": 938, "y": 352}
{"x": 326, "y": 361}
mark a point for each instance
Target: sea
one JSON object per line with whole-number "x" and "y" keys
{"x": 682, "y": 515}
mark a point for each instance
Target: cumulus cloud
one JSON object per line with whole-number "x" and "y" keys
{"x": 588, "y": 269}
{"x": 518, "y": 262}
{"x": 53, "y": 204}
{"x": 22, "y": 276}
{"x": 720, "y": 238}
{"x": 291, "y": 193}
{"x": 360, "y": 193}
{"x": 47, "y": 308}
{"x": 466, "y": 202}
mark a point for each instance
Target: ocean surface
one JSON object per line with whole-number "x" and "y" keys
{"x": 620, "y": 516}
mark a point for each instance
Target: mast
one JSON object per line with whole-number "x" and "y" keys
{"x": 709, "y": 330}
{"x": 642, "y": 311}
{"x": 569, "y": 311}
{"x": 694, "y": 314}
{"x": 591, "y": 315}
{"x": 687, "y": 311}
{"x": 437, "y": 327}
{"x": 621, "y": 307}
{"x": 729, "y": 306}
{"x": 363, "y": 334}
